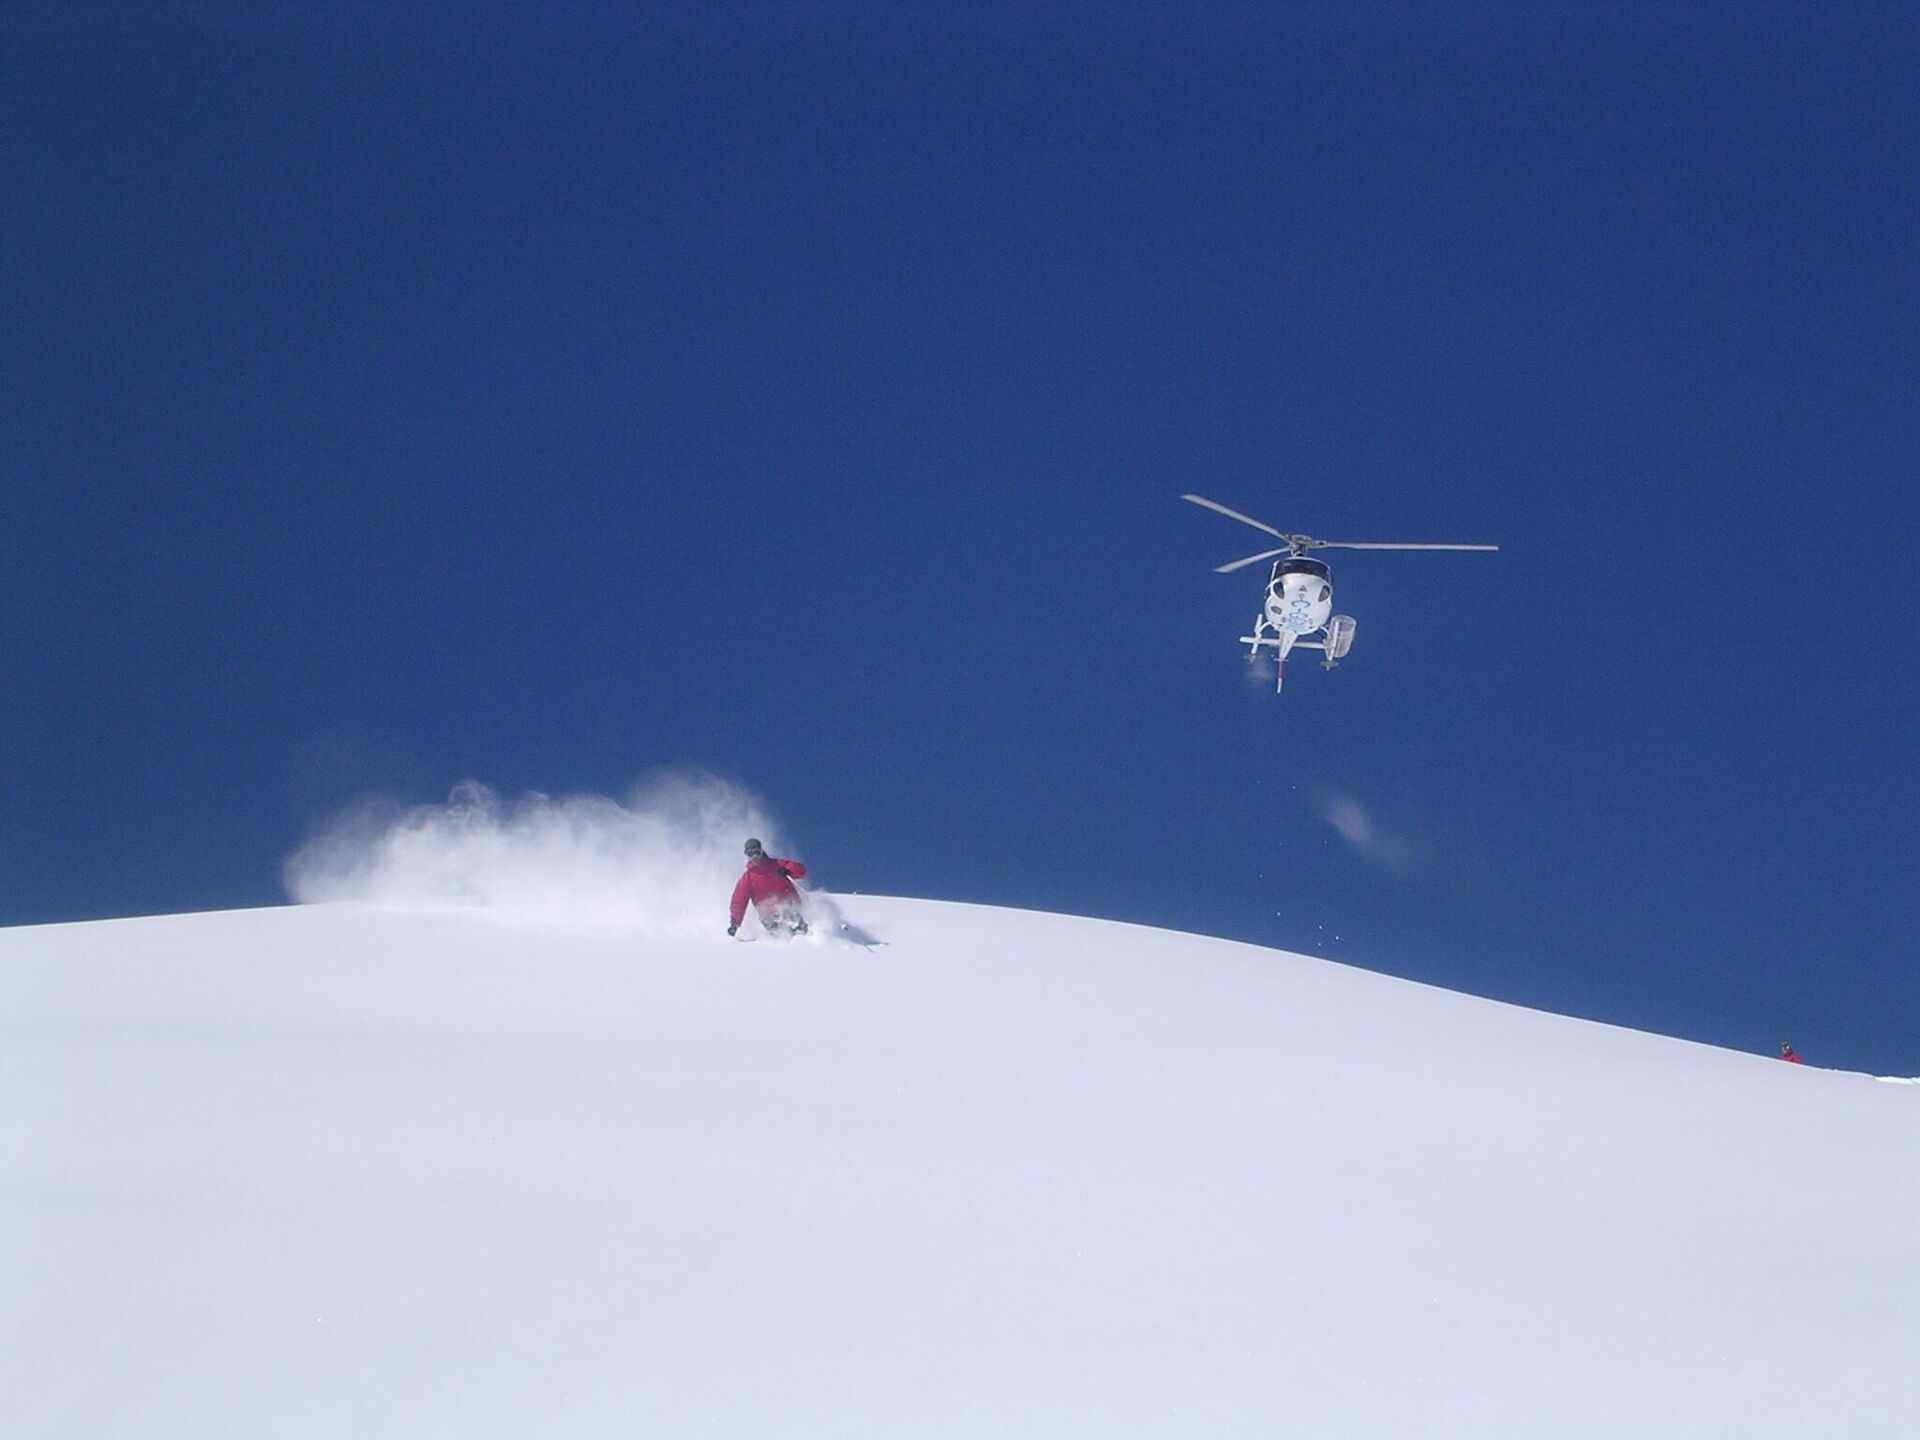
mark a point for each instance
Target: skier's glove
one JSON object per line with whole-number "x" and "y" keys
{"x": 732, "y": 928}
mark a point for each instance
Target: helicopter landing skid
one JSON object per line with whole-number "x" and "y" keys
{"x": 1265, "y": 635}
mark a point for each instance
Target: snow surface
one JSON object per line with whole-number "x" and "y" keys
{"x": 329, "y": 1170}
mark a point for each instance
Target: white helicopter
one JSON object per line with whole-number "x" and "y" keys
{"x": 1298, "y": 611}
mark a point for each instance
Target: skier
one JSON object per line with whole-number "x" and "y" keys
{"x": 768, "y": 882}
{"x": 1786, "y": 1054}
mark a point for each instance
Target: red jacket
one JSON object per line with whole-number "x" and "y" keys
{"x": 1786, "y": 1054}
{"x": 768, "y": 882}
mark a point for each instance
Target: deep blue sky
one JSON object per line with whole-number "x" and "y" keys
{"x": 391, "y": 395}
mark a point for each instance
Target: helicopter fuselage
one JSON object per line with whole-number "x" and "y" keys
{"x": 1298, "y": 610}
{"x": 1299, "y": 596}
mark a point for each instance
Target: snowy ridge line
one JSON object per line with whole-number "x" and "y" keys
{"x": 325, "y": 1170}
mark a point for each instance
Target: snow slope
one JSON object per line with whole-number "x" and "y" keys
{"x": 327, "y": 1171}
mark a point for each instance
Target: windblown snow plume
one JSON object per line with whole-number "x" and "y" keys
{"x": 1401, "y": 848}
{"x": 662, "y": 863}
{"x": 1371, "y": 840}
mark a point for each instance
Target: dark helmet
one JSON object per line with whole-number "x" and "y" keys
{"x": 753, "y": 849}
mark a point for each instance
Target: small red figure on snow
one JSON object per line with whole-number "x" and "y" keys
{"x": 1786, "y": 1054}
{"x": 768, "y": 882}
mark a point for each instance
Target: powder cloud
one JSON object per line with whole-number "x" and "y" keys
{"x": 661, "y": 862}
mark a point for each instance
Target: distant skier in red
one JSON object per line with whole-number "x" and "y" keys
{"x": 1786, "y": 1054}
{"x": 768, "y": 882}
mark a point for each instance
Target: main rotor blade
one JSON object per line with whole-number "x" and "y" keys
{"x": 1263, "y": 555}
{"x": 1385, "y": 545}
{"x": 1217, "y": 507}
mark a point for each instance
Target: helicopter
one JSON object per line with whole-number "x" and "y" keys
{"x": 1298, "y": 609}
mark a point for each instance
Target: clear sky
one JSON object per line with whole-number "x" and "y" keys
{"x": 391, "y": 395}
